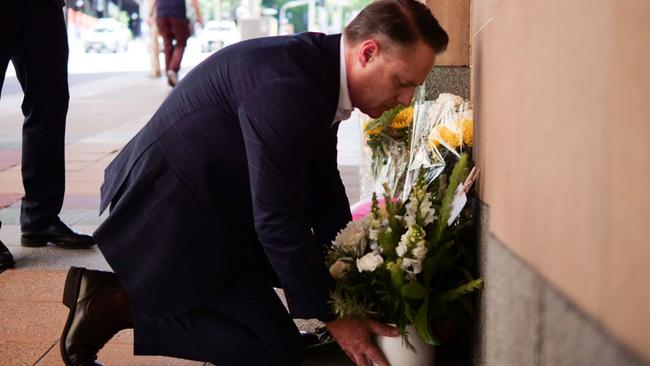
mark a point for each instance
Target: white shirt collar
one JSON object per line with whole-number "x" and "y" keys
{"x": 344, "y": 108}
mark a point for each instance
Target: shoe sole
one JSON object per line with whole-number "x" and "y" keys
{"x": 38, "y": 242}
{"x": 70, "y": 296}
{"x": 8, "y": 265}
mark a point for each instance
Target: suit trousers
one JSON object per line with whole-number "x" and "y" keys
{"x": 35, "y": 40}
{"x": 245, "y": 324}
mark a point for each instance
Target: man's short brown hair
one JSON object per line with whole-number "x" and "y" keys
{"x": 402, "y": 22}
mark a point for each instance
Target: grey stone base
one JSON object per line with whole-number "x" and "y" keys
{"x": 448, "y": 79}
{"x": 524, "y": 321}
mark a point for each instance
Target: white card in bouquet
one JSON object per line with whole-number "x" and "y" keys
{"x": 457, "y": 204}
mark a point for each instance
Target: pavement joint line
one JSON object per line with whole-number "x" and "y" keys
{"x": 45, "y": 354}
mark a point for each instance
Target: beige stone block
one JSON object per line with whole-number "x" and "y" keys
{"x": 454, "y": 17}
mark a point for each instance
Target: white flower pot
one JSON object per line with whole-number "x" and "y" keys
{"x": 398, "y": 354}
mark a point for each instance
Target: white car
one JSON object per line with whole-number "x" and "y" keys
{"x": 217, "y": 34}
{"x": 107, "y": 34}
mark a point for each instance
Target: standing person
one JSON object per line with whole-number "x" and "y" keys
{"x": 174, "y": 27}
{"x": 232, "y": 188}
{"x": 35, "y": 40}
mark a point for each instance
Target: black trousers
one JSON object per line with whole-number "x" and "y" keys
{"x": 245, "y": 324}
{"x": 34, "y": 38}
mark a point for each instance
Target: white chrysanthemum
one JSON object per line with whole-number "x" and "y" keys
{"x": 411, "y": 266}
{"x": 352, "y": 239}
{"x": 339, "y": 269}
{"x": 369, "y": 262}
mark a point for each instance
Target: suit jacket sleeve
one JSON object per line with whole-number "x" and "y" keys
{"x": 329, "y": 208}
{"x": 281, "y": 124}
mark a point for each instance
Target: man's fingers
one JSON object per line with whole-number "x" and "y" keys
{"x": 376, "y": 356}
{"x": 360, "y": 359}
{"x": 382, "y": 329}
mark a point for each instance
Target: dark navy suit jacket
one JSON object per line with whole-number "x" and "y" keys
{"x": 235, "y": 174}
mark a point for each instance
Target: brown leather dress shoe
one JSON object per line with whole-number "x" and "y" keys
{"x": 90, "y": 323}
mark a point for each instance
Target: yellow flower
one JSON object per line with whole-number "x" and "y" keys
{"x": 374, "y": 131}
{"x": 468, "y": 131}
{"x": 403, "y": 119}
{"x": 442, "y": 133}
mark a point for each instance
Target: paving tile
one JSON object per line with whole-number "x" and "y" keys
{"x": 10, "y": 234}
{"x": 32, "y": 285}
{"x": 11, "y": 176}
{"x": 85, "y": 175}
{"x": 7, "y": 165}
{"x": 20, "y": 353}
{"x": 10, "y": 155}
{"x": 11, "y": 215}
{"x": 74, "y": 166}
{"x": 83, "y": 188}
{"x": 120, "y": 354}
{"x": 29, "y": 321}
{"x": 90, "y": 201}
{"x": 8, "y": 199}
{"x": 11, "y": 187}
{"x": 52, "y": 257}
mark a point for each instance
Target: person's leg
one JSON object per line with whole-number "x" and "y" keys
{"x": 181, "y": 32}
{"x": 246, "y": 324}
{"x": 9, "y": 27}
{"x": 154, "y": 49}
{"x": 165, "y": 31}
{"x": 41, "y": 62}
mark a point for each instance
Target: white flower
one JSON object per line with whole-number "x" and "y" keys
{"x": 411, "y": 266}
{"x": 369, "y": 262}
{"x": 352, "y": 239}
{"x": 420, "y": 251}
{"x": 402, "y": 247}
{"x": 339, "y": 269}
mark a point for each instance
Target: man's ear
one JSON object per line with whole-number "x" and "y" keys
{"x": 368, "y": 51}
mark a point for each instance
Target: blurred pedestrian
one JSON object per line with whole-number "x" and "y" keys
{"x": 34, "y": 38}
{"x": 154, "y": 48}
{"x": 174, "y": 27}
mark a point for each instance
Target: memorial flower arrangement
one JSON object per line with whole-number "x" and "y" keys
{"x": 406, "y": 263}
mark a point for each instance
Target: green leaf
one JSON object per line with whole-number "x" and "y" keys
{"x": 414, "y": 290}
{"x": 458, "y": 175}
{"x": 396, "y": 275}
{"x": 422, "y": 324}
{"x": 454, "y": 294}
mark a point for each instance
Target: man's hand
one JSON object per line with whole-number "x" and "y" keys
{"x": 354, "y": 337}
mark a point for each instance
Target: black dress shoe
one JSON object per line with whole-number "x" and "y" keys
{"x": 308, "y": 339}
{"x": 87, "y": 330}
{"x": 6, "y": 259}
{"x": 58, "y": 234}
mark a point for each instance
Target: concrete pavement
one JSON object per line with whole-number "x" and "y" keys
{"x": 106, "y": 110}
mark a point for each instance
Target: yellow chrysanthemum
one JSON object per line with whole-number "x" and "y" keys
{"x": 403, "y": 119}
{"x": 444, "y": 134}
{"x": 374, "y": 131}
{"x": 468, "y": 131}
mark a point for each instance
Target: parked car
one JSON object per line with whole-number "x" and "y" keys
{"x": 217, "y": 34}
{"x": 107, "y": 34}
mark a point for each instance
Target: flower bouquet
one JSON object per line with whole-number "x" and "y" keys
{"x": 441, "y": 131}
{"x": 404, "y": 263}
{"x": 388, "y": 139}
